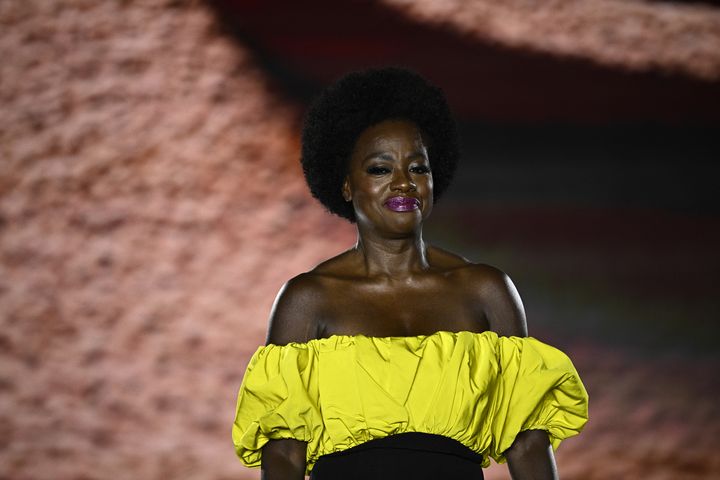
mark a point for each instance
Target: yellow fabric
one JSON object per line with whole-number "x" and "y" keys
{"x": 338, "y": 392}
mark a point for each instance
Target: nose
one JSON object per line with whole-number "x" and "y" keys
{"x": 402, "y": 182}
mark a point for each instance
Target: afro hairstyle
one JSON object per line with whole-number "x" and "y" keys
{"x": 360, "y": 100}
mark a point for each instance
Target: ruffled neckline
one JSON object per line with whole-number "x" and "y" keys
{"x": 346, "y": 338}
{"x": 339, "y": 391}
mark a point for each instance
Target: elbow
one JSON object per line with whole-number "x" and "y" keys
{"x": 531, "y": 457}
{"x": 284, "y": 459}
{"x": 527, "y": 442}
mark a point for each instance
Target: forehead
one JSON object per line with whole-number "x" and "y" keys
{"x": 389, "y": 134}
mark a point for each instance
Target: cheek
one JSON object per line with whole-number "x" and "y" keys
{"x": 371, "y": 187}
{"x": 427, "y": 193}
{"x": 426, "y": 183}
{"x": 368, "y": 193}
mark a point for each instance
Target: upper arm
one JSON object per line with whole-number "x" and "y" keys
{"x": 283, "y": 459}
{"x": 501, "y": 303}
{"x": 293, "y": 317}
{"x": 531, "y": 457}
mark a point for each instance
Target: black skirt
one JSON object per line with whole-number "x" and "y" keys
{"x": 410, "y": 455}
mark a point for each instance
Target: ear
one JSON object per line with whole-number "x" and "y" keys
{"x": 347, "y": 195}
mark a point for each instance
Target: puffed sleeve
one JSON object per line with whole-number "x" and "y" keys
{"x": 537, "y": 388}
{"x": 278, "y": 399}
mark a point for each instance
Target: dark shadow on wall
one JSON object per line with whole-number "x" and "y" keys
{"x": 308, "y": 44}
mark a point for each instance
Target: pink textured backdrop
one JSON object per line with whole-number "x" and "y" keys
{"x": 151, "y": 206}
{"x": 636, "y": 35}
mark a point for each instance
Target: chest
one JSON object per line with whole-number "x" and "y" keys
{"x": 382, "y": 310}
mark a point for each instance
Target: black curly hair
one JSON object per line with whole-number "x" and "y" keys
{"x": 360, "y": 100}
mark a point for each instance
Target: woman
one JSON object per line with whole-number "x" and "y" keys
{"x": 397, "y": 359}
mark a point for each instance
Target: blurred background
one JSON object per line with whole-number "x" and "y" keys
{"x": 152, "y": 204}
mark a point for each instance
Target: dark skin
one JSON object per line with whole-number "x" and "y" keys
{"x": 392, "y": 283}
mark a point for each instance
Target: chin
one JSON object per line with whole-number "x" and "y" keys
{"x": 405, "y": 220}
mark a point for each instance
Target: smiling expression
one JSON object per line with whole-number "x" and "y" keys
{"x": 389, "y": 179}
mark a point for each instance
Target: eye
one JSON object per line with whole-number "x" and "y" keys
{"x": 377, "y": 170}
{"x": 420, "y": 169}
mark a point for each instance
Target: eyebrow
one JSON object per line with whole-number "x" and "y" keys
{"x": 388, "y": 157}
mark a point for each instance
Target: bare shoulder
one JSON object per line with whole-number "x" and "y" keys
{"x": 486, "y": 278}
{"x": 293, "y": 317}
{"x": 479, "y": 274}
{"x": 299, "y": 303}
{"x": 341, "y": 265}
{"x": 497, "y": 297}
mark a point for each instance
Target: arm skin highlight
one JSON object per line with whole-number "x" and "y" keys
{"x": 292, "y": 319}
{"x": 530, "y": 457}
{"x": 283, "y": 460}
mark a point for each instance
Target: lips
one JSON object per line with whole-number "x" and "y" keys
{"x": 402, "y": 204}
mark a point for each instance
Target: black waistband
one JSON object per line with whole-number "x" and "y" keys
{"x": 418, "y": 441}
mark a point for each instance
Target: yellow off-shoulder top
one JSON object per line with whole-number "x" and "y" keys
{"x": 478, "y": 388}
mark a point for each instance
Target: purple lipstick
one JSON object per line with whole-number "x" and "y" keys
{"x": 402, "y": 204}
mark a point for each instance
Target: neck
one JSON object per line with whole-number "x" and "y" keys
{"x": 396, "y": 258}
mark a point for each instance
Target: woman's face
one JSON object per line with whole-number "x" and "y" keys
{"x": 389, "y": 179}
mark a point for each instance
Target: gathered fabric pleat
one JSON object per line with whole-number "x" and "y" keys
{"x": 339, "y": 392}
